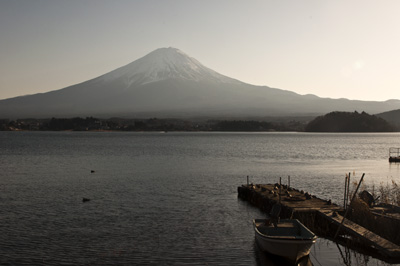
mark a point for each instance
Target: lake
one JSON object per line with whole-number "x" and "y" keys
{"x": 168, "y": 198}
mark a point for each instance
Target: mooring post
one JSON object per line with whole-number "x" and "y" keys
{"x": 345, "y": 192}
{"x": 247, "y": 180}
{"x": 347, "y": 210}
{"x": 348, "y": 190}
{"x": 280, "y": 186}
{"x": 288, "y": 181}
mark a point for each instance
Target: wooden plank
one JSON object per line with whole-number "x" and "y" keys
{"x": 297, "y": 202}
{"x": 384, "y": 246}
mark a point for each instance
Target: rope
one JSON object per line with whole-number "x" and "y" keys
{"x": 315, "y": 258}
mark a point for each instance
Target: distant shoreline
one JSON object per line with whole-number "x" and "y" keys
{"x": 334, "y": 122}
{"x": 147, "y": 125}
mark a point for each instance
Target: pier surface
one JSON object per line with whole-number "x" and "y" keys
{"x": 292, "y": 200}
{"x": 321, "y": 216}
{"x": 384, "y": 246}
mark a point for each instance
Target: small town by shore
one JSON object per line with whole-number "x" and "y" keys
{"x": 151, "y": 124}
{"x": 332, "y": 122}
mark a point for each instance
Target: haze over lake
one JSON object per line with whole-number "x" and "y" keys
{"x": 166, "y": 198}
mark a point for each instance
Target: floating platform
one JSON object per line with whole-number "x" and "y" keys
{"x": 394, "y": 159}
{"x": 394, "y": 155}
{"x": 321, "y": 216}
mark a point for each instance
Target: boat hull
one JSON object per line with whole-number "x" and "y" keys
{"x": 289, "y": 247}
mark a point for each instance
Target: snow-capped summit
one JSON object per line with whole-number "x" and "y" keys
{"x": 162, "y": 64}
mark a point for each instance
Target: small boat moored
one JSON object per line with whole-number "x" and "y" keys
{"x": 288, "y": 238}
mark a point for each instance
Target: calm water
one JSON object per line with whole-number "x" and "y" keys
{"x": 168, "y": 199}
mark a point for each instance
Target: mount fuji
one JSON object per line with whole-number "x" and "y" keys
{"x": 169, "y": 83}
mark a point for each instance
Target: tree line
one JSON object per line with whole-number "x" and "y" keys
{"x": 349, "y": 122}
{"x": 331, "y": 122}
{"x": 151, "y": 124}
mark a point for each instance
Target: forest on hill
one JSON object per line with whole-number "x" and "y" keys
{"x": 392, "y": 117}
{"x": 349, "y": 122}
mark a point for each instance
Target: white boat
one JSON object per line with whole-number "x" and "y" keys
{"x": 288, "y": 238}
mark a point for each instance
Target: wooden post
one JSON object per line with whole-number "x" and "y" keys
{"x": 347, "y": 210}
{"x": 288, "y": 181}
{"x": 247, "y": 180}
{"x": 280, "y": 185}
{"x": 348, "y": 190}
{"x": 345, "y": 192}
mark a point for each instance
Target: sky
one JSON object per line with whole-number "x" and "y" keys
{"x": 334, "y": 49}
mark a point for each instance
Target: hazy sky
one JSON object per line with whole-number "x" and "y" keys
{"x": 336, "y": 49}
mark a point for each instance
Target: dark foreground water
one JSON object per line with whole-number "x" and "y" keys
{"x": 167, "y": 198}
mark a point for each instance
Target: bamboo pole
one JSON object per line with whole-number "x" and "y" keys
{"x": 347, "y": 210}
{"x": 280, "y": 186}
{"x": 348, "y": 190}
{"x": 345, "y": 191}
